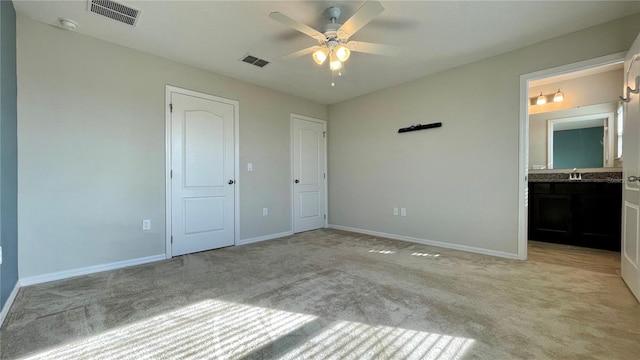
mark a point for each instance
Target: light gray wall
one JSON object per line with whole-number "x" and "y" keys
{"x": 91, "y": 119}
{"x": 459, "y": 183}
{"x": 8, "y": 152}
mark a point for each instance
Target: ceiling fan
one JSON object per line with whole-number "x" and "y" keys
{"x": 334, "y": 37}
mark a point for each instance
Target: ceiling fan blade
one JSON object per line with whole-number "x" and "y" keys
{"x": 371, "y": 48}
{"x": 362, "y": 17}
{"x": 298, "y": 53}
{"x": 295, "y": 24}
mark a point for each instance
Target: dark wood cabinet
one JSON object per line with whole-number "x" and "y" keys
{"x": 576, "y": 213}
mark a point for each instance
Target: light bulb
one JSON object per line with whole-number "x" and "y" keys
{"x": 320, "y": 55}
{"x": 541, "y": 100}
{"x": 342, "y": 53}
{"x": 334, "y": 63}
{"x": 558, "y": 96}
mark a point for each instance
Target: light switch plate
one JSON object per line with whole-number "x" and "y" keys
{"x": 403, "y": 212}
{"x": 249, "y": 166}
{"x": 146, "y": 224}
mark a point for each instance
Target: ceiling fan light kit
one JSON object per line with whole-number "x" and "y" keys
{"x": 320, "y": 55}
{"x": 334, "y": 63}
{"x": 334, "y": 39}
{"x": 342, "y": 52}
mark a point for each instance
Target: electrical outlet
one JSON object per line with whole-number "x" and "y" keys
{"x": 146, "y": 224}
{"x": 403, "y": 212}
{"x": 265, "y": 211}
{"x": 395, "y": 211}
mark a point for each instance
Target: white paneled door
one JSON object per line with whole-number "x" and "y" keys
{"x": 203, "y": 174}
{"x": 631, "y": 170}
{"x": 309, "y": 174}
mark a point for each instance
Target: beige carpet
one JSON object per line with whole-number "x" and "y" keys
{"x": 330, "y": 294}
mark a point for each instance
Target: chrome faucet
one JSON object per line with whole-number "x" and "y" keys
{"x": 575, "y": 175}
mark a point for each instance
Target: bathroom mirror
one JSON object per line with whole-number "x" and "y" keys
{"x": 582, "y": 137}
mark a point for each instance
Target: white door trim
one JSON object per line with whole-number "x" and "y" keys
{"x": 169, "y": 89}
{"x": 523, "y": 131}
{"x": 326, "y": 171}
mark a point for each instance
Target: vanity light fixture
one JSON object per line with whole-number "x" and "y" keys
{"x": 544, "y": 99}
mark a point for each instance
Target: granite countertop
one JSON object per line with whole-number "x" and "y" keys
{"x": 609, "y": 177}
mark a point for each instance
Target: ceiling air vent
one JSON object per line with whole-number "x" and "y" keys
{"x": 114, "y": 10}
{"x": 255, "y": 61}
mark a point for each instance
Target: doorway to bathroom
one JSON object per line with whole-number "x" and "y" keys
{"x": 570, "y": 155}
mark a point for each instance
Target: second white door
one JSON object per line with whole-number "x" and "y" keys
{"x": 309, "y": 174}
{"x": 203, "y": 168}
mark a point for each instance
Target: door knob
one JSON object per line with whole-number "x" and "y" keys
{"x": 633, "y": 178}
{"x": 296, "y": 181}
{"x": 231, "y": 182}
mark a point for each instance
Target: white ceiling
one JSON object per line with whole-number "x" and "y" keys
{"x": 433, "y": 36}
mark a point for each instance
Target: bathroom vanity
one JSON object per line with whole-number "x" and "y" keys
{"x": 582, "y": 209}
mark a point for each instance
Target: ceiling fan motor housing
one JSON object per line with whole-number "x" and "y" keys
{"x": 330, "y": 30}
{"x": 332, "y": 43}
{"x": 333, "y": 13}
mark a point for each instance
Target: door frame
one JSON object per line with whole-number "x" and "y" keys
{"x": 523, "y": 133}
{"x": 169, "y": 89}
{"x": 293, "y": 116}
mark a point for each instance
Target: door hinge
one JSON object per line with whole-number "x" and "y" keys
{"x": 172, "y": 239}
{"x": 324, "y": 134}
{"x": 325, "y": 216}
{"x": 325, "y": 175}
{"x": 171, "y": 174}
{"x": 170, "y": 107}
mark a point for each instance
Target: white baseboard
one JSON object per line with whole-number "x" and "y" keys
{"x": 264, "y": 238}
{"x": 428, "y": 242}
{"x": 7, "y": 305}
{"x": 38, "y": 279}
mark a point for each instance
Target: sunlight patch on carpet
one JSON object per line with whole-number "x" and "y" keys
{"x": 213, "y": 329}
{"x": 384, "y": 252}
{"x": 208, "y": 329}
{"x": 425, "y": 254}
{"x": 349, "y": 340}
